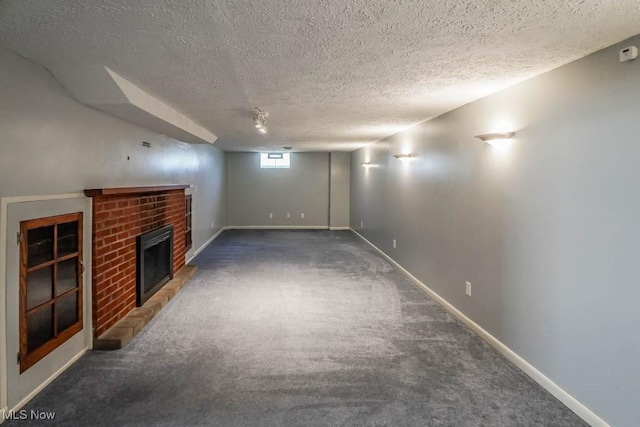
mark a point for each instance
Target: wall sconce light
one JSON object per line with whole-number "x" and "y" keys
{"x": 497, "y": 140}
{"x": 404, "y": 156}
{"x": 368, "y": 165}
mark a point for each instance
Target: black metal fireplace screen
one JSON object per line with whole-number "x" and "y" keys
{"x": 154, "y": 262}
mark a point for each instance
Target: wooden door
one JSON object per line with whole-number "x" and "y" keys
{"x": 51, "y": 269}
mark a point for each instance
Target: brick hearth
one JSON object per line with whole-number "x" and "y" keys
{"x": 119, "y": 216}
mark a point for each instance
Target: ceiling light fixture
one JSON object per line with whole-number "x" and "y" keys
{"x": 260, "y": 120}
{"x": 404, "y": 156}
{"x": 367, "y": 165}
{"x": 497, "y": 140}
{"x": 287, "y": 148}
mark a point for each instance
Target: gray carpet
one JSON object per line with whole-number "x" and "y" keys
{"x": 300, "y": 328}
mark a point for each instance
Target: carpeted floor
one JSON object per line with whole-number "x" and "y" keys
{"x": 284, "y": 328}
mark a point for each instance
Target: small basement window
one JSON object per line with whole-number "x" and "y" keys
{"x": 188, "y": 236}
{"x": 275, "y": 161}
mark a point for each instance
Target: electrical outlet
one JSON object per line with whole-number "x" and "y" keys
{"x": 288, "y": 214}
{"x": 301, "y": 215}
{"x": 468, "y": 288}
{"x": 361, "y": 224}
{"x": 394, "y": 243}
{"x": 271, "y": 215}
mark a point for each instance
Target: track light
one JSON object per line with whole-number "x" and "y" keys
{"x": 260, "y": 120}
{"x": 403, "y": 156}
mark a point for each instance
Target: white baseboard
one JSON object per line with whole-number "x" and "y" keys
{"x": 277, "y": 227}
{"x": 568, "y": 400}
{"x": 49, "y": 380}
{"x": 339, "y": 228}
{"x": 207, "y": 243}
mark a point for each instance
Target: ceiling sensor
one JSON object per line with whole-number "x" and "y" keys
{"x": 260, "y": 120}
{"x": 628, "y": 54}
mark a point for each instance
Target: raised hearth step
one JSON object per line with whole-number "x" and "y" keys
{"x": 128, "y": 327}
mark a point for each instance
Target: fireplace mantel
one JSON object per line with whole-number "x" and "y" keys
{"x": 121, "y": 191}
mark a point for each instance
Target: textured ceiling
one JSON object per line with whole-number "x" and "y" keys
{"x": 332, "y": 74}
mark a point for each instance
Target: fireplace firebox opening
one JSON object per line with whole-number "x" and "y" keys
{"x": 154, "y": 262}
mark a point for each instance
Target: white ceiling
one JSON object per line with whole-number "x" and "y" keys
{"x": 333, "y": 75}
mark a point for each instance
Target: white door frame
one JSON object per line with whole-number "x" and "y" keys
{"x": 4, "y": 209}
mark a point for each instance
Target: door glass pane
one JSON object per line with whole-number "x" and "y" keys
{"x": 40, "y": 245}
{"x": 39, "y": 286}
{"x": 39, "y": 328}
{"x": 67, "y": 238}
{"x": 67, "y": 310}
{"x": 67, "y": 275}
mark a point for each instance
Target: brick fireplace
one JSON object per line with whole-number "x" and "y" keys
{"x": 120, "y": 215}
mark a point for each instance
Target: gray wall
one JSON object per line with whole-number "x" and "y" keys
{"x": 51, "y": 144}
{"x": 339, "y": 190}
{"x": 253, "y": 193}
{"x": 547, "y": 232}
